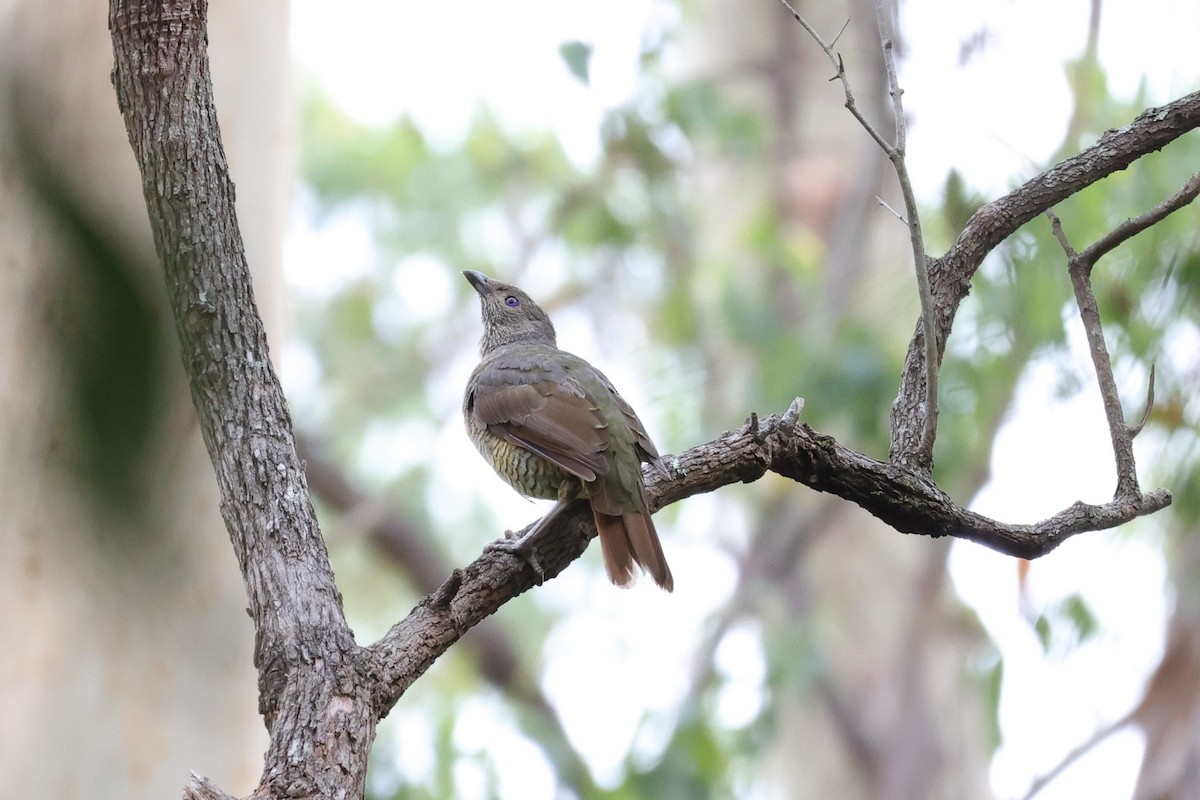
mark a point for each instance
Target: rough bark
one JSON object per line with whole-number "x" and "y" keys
{"x": 951, "y": 274}
{"x": 316, "y": 705}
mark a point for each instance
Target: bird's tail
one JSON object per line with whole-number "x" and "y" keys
{"x": 630, "y": 538}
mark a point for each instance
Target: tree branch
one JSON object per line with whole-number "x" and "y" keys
{"x": 914, "y": 412}
{"x": 951, "y": 274}
{"x": 922, "y": 456}
{"x": 1132, "y": 227}
{"x": 905, "y": 499}
{"x": 840, "y": 74}
{"x": 1079, "y": 267}
{"x": 1080, "y": 272}
{"x": 201, "y": 788}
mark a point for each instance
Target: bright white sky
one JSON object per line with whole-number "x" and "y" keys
{"x": 991, "y": 120}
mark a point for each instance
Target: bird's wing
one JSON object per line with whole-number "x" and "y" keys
{"x": 635, "y": 425}
{"x": 548, "y": 415}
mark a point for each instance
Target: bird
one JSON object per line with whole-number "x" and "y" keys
{"x": 553, "y": 427}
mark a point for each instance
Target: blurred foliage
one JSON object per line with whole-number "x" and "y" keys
{"x": 1070, "y": 618}
{"x": 108, "y": 331}
{"x": 745, "y": 326}
{"x": 578, "y": 56}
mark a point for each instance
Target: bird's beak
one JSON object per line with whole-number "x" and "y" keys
{"x": 480, "y": 281}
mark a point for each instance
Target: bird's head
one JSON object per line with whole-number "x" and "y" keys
{"x": 509, "y": 315}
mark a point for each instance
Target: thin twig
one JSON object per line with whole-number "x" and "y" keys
{"x": 845, "y": 25}
{"x": 924, "y": 454}
{"x": 1080, "y": 265}
{"x": 1141, "y": 423}
{"x": 896, "y": 213}
{"x": 1132, "y": 227}
{"x": 1080, "y": 270}
{"x": 1070, "y": 758}
{"x": 836, "y": 60}
{"x": 1057, "y": 229}
{"x": 888, "y": 46}
{"x": 896, "y": 154}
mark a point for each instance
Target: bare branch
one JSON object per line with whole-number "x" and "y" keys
{"x": 834, "y": 41}
{"x": 1057, "y": 229}
{"x": 1132, "y": 227}
{"x": 201, "y": 788}
{"x": 895, "y": 213}
{"x": 1080, "y": 266}
{"x": 1080, "y": 270}
{"x": 922, "y": 458}
{"x": 888, "y": 46}
{"x": 1042, "y": 781}
{"x": 951, "y": 274}
{"x": 838, "y": 65}
{"x": 1089, "y": 313}
{"x": 903, "y": 498}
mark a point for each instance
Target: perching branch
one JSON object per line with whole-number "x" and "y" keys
{"x": 905, "y": 499}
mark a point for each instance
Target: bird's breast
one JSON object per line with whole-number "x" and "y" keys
{"x": 525, "y": 471}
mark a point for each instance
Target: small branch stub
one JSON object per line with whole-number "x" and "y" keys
{"x": 1141, "y": 423}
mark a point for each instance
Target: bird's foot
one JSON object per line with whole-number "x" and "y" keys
{"x": 523, "y": 548}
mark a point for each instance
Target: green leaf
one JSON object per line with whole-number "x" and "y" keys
{"x": 1041, "y": 627}
{"x": 1080, "y": 614}
{"x": 578, "y": 56}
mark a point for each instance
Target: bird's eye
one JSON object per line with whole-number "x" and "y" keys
{"x": 511, "y": 301}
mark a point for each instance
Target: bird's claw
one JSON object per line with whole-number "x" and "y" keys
{"x": 523, "y": 549}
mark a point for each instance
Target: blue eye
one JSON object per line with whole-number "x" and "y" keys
{"x": 511, "y": 301}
